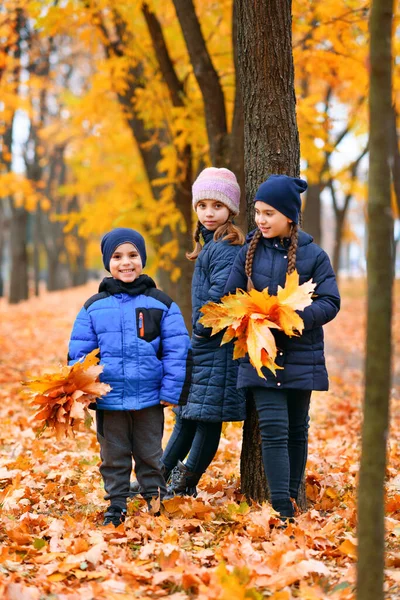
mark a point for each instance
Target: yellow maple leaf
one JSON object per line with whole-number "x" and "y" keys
{"x": 260, "y": 338}
{"x": 296, "y": 296}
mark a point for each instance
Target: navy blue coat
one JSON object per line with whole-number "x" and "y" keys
{"x": 144, "y": 344}
{"x": 213, "y": 395}
{"x": 302, "y": 357}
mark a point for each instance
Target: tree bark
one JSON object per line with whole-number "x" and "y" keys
{"x": 312, "y": 212}
{"x": 370, "y": 570}
{"x": 271, "y": 144}
{"x": 208, "y": 80}
{"x": 19, "y": 289}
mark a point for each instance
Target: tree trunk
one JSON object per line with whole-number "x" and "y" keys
{"x": 271, "y": 144}
{"x": 3, "y": 224}
{"x": 370, "y": 574}
{"x": 340, "y": 221}
{"x": 19, "y": 256}
{"x": 79, "y": 274}
{"x": 36, "y": 250}
{"x": 236, "y": 138}
{"x": 312, "y": 212}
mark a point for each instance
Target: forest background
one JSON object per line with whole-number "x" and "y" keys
{"x": 108, "y": 110}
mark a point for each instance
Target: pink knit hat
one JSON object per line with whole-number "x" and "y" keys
{"x": 217, "y": 184}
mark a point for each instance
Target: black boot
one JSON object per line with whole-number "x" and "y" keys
{"x": 183, "y": 482}
{"x": 115, "y": 515}
{"x": 136, "y": 490}
{"x": 285, "y": 509}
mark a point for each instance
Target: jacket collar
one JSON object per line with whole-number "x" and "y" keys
{"x": 206, "y": 234}
{"x": 304, "y": 239}
{"x": 135, "y": 288}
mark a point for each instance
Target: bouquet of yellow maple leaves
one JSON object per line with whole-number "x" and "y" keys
{"x": 250, "y": 316}
{"x": 65, "y": 394}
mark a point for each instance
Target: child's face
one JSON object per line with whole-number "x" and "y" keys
{"x": 125, "y": 263}
{"x": 212, "y": 213}
{"x": 270, "y": 221}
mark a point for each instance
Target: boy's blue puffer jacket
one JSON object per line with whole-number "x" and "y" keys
{"x": 143, "y": 341}
{"x": 302, "y": 357}
{"x": 213, "y": 395}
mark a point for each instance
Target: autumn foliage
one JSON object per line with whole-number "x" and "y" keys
{"x": 250, "y": 316}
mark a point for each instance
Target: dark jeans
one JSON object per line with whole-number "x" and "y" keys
{"x": 124, "y": 435}
{"x": 199, "y": 438}
{"x": 284, "y": 421}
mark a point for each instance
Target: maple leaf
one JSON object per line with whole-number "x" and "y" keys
{"x": 65, "y": 394}
{"x": 248, "y": 318}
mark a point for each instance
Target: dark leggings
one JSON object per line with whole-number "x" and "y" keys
{"x": 284, "y": 421}
{"x": 198, "y": 438}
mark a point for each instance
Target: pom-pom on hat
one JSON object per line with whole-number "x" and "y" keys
{"x": 283, "y": 193}
{"x": 217, "y": 184}
{"x": 118, "y": 236}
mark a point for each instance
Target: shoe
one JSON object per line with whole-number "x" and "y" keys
{"x": 115, "y": 515}
{"x": 136, "y": 490}
{"x": 183, "y": 482}
{"x": 285, "y": 508}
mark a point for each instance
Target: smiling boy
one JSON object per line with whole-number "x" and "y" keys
{"x": 145, "y": 350}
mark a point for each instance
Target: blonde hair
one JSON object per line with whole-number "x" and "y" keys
{"x": 228, "y": 232}
{"x": 291, "y": 255}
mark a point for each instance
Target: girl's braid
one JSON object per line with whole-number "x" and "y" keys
{"x": 294, "y": 238}
{"x": 248, "y": 265}
{"x": 198, "y": 247}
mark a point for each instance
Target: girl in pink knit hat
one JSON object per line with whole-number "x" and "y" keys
{"x": 213, "y": 397}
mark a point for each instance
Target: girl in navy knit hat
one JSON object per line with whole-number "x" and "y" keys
{"x": 276, "y": 248}
{"x": 145, "y": 350}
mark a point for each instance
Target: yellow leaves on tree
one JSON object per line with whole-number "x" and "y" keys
{"x": 250, "y": 316}
{"x": 65, "y": 394}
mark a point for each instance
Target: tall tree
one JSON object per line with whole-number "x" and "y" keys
{"x": 271, "y": 145}
{"x": 379, "y": 313}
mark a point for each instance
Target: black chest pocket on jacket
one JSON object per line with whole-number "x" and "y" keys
{"x": 148, "y": 323}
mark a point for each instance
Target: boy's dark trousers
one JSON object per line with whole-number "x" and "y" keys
{"x": 124, "y": 435}
{"x": 284, "y": 421}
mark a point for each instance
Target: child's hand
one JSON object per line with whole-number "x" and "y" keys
{"x": 165, "y": 403}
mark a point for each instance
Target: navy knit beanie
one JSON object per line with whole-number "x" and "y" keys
{"x": 116, "y": 237}
{"x": 283, "y": 193}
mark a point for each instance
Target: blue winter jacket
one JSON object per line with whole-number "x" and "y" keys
{"x": 144, "y": 344}
{"x": 213, "y": 394}
{"x": 302, "y": 357}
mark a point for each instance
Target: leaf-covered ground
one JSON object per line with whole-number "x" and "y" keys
{"x": 54, "y": 547}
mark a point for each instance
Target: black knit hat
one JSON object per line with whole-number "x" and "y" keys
{"x": 283, "y": 193}
{"x": 118, "y": 236}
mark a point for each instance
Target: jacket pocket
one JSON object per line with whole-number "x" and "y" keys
{"x": 148, "y": 323}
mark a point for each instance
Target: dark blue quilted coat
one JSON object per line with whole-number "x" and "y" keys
{"x": 302, "y": 357}
{"x": 213, "y": 395}
{"x": 144, "y": 344}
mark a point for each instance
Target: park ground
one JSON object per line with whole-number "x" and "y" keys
{"x": 52, "y": 544}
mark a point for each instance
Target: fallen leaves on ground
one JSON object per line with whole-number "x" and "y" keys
{"x": 213, "y": 547}
{"x": 249, "y": 317}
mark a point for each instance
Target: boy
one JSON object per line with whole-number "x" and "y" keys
{"x": 145, "y": 349}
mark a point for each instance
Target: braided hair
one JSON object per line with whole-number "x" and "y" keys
{"x": 292, "y": 252}
{"x": 198, "y": 247}
{"x": 248, "y": 265}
